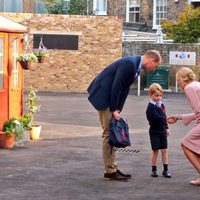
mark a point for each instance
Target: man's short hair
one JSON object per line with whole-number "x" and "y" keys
{"x": 154, "y": 54}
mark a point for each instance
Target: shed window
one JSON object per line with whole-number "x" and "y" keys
{"x": 1, "y": 62}
{"x": 15, "y": 69}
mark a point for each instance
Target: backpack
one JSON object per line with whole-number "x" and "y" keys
{"x": 119, "y": 133}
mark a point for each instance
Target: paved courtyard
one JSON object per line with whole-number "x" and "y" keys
{"x": 66, "y": 163}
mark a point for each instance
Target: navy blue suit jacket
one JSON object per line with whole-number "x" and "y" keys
{"x": 111, "y": 87}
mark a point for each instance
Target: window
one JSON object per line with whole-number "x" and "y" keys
{"x": 195, "y": 3}
{"x": 40, "y": 6}
{"x": 1, "y": 62}
{"x": 15, "y": 70}
{"x": 159, "y": 12}
{"x": 134, "y": 10}
{"x": 11, "y": 5}
{"x": 100, "y": 7}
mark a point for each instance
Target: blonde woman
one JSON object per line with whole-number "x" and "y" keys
{"x": 191, "y": 142}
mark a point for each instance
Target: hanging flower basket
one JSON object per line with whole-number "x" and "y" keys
{"x": 41, "y": 59}
{"x": 26, "y": 59}
{"x": 41, "y": 54}
{"x": 25, "y": 64}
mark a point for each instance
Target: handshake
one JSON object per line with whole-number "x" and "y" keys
{"x": 173, "y": 119}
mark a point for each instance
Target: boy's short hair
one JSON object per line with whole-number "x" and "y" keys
{"x": 155, "y": 87}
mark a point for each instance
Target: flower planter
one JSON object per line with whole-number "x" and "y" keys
{"x": 25, "y": 64}
{"x": 5, "y": 141}
{"x": 41, "y": 59}
{"x": 35, "y": 132}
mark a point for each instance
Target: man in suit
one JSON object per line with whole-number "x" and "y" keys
{"x": 108, "y": 92}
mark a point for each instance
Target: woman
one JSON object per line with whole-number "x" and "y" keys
{"x": 191, "y": 142}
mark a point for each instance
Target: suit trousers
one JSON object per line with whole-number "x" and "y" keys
{"x": 110, "y": 165}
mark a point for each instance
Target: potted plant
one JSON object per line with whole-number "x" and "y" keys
{"x": 12, "y": 130}
{"x": 41, "y": 54}
{"x": 32, "y": 106}
{"x": 26, "y": 59}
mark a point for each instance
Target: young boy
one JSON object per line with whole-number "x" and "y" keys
{"x": 158, "y": 130}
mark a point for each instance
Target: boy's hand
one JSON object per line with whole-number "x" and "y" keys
{"x": 168, "y": 132}
{"x": 172, "y": 119}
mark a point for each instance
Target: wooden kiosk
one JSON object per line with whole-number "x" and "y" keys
{"x": 11, "y": 73}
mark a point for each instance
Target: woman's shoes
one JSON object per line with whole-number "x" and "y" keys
{"x": 195, "y": 182}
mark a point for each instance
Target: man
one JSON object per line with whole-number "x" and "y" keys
{"x": 108, "y": 92}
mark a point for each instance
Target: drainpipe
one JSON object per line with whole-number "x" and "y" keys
{"x": 127, "y": 10}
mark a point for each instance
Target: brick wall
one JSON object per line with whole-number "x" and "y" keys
{"x": 65, "y": 70}
{"x": 117, "y": 7}
{"x": 139, "y": 48}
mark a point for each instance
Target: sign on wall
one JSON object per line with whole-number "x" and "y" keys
{"x": 182, "y": 58}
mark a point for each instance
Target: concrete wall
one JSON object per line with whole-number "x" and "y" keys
{"x": 100, "y": 42}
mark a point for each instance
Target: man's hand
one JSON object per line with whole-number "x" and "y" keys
{"x": 116, "y": 115}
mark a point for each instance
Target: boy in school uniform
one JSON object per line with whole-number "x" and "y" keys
{"x": 158, "y": 131}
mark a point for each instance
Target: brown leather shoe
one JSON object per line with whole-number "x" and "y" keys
{"x": 115, "y": 176}
{"x": 125, "y": 175}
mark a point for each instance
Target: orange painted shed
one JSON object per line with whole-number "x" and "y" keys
{"x": 11, "y": 73}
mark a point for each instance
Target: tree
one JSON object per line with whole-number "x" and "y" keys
{"x": 187, "y": 27}
{"x": 57, "y": 6}
{"x": 78, "y": 7}
{"x": 72, "y": 7}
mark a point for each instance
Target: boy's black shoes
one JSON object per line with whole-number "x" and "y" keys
{"x": 166, "y": 174}
{"x": 154, "y": 174}
{"x": 115, "y": 176}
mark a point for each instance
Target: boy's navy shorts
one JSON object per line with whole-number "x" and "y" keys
{"x": 158, "y": 141}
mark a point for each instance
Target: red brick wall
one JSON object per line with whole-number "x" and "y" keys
{"x": 100, "y": 43}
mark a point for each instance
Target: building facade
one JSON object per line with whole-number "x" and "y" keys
{"x": 23, "y": 6}
{"x": 148, "y": 12}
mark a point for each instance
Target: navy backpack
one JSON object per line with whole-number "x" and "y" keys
{"x": 119, "y": 133}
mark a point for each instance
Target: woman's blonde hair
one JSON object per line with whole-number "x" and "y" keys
{"x": 186, "y": 75}
{"x": 154, "y": 88}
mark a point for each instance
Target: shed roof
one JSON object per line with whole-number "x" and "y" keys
{"x": 6, "y": 25}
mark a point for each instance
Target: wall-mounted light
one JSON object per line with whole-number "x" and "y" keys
{"x": 176, "y": 1}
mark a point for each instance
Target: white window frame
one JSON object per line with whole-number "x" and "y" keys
{"x": 134, "y": 12}
{"x": 155, "y": 26}
{"x": 95, "y": 9}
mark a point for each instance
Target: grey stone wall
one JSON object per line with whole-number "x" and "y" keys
{"x": 139, "y": 48}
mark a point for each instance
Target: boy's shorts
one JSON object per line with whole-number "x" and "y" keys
{"x": 158, "y": 142}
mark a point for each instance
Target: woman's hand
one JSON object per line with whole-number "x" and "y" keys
{"x": 197, "y": 116}
{"x": 172, "y": 119}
